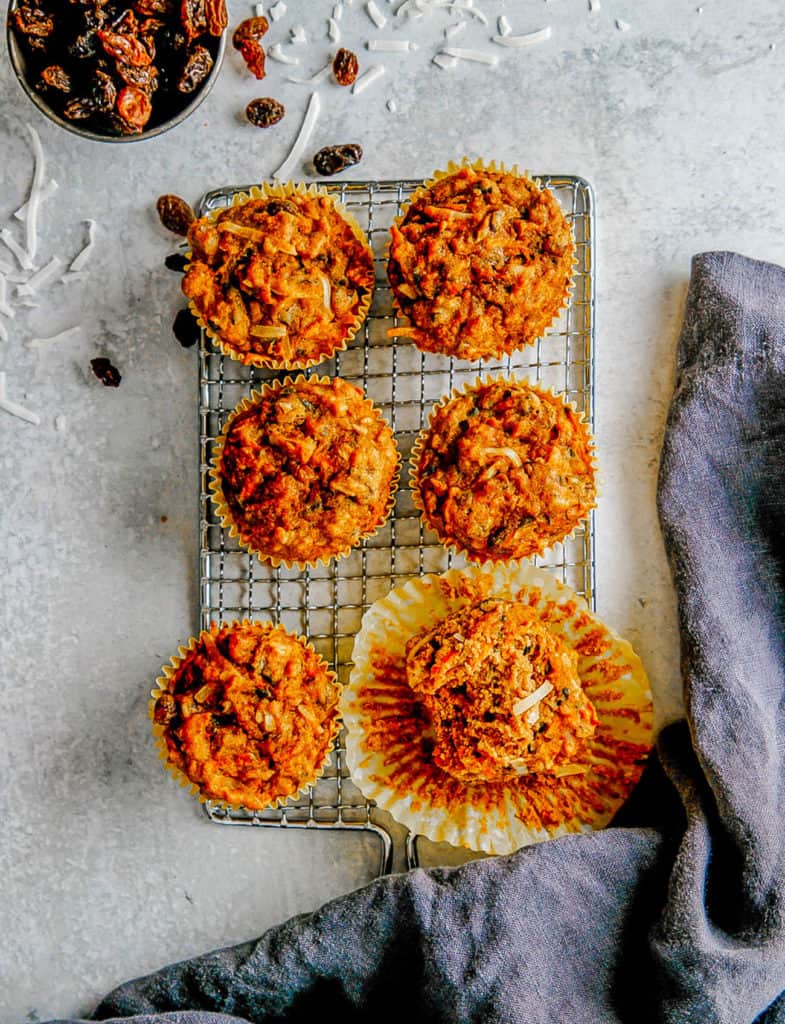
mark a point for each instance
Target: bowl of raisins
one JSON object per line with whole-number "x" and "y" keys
{"x": 117, "y": 71}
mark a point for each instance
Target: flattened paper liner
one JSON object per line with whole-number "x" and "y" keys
{"x": 224, "y": 512}
{"x": 417, "y": 449}
{"x": 286, "y": 190}
{"x": 511, "y": 345}
{"x": 164, "y": 684}
{"x": 387, "y": 741}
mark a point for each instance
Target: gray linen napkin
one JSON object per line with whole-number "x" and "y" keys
{"x": 676, "y": 914}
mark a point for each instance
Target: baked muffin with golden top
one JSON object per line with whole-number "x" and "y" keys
{"x": 304, "y": 470}
{"x": 504, "y": 470}
{"x": 502, "y": 693}
{"x": 480, "y": 263}
{"x": 282, "y": 279}
{"x": 248, "y": 714}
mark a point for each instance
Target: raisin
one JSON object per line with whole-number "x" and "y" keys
{"x": 127, "y": 48}
{"x": 345, "y": 67}
{"x": 217, "y": 20}
{"x": 247, "y": 39}
{"x": 134, "y": 108}
{"x": 33, "y": 23}
{"x": 56, "y": 77}
{"x": 177, "y": 262}
{"x": 108, "y": 375}
{"x": 104, "y": 92}
{"x": 264, "y": 112}
{"x": 78, "y": 109}
{"x": 175, "y": 214}
{"x": 197, "y": 67}
{"x": 186, "y": 329}
{"x": 152, "y": 7}
{"x": 143, "y": 78}
{"x": 194, "y": 18}
{"x": 334, "y": 159}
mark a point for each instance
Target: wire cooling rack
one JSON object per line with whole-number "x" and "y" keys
{"x": 326, "y": 604}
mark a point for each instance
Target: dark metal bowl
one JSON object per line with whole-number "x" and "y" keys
{"x": 19, "y": 64}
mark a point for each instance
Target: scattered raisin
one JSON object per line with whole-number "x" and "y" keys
{"x": 197, "y": 67}
{"x": 33, "y": 23}
{"x": 176, "y": 215}
{"x": 108, "y": 375}
{"x": 128, "y": 48}
{"x": 345, "y": 67}
{"x": 186, "y": 329}
{"x": 334, "y": 159}
{"x": 134, "y": 108}
{"x": 264, "y": 112}
{"x": 104, "y": 93}
{"x": 247, "y": 39}
{"x": 78, "y": 109}
{"x": 143, "y": 78}
{"x": 176, "y": 261}
{"x": 56, "y": 77}
{"x": 150, "y": 7}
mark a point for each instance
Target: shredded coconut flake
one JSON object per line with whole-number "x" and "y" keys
{"x": 594, "y": 6}
{"x": 60, "y": 422}
{"x": 71, "y": 278}
{"x": 390, "y": 45}
{"x": 34, "y": 199}
{"x": 622, "y": 26}
{"x": 338, "y": 12}
{"x": 3, "y": 332}
{"x": 505, "y": 29}
{"x": 5, "y": 309}
{"x": 480, "y": 56}
{"x": 41, "y": 278}
{"x": 333, "y": 31}
{"x": 444, "y": 61}
{"x": 298, "y": 34}
{"x": 81, "y": 260}
{"x": 13, "y": 407}
{"x": 375, "y": 14}
{"x": 319, "y": 76}
{"x": 276, "y": 53}
{"x": 392, "y": 106}
{"x": 522, "y": 706}
{"x": 47, "y": 192}
{"x": 307, "y": 127}
{"x": 65, "y": 335}
{"x": 24, "y": 259}
{"x": 371, "y": 75}
{"x": 454, "y": 30}
{"x": 277, "y": 12}
{"x": 529, "y": 39}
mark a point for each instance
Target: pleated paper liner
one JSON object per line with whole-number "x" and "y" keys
{"x": 445, "y": 537}
{"x": 165, "y": 683}
{"x": 501, "y": 345}
{"x": 225, "y": 514}
{"x": 277, "y": 356}
{"x": 387, "y": 743}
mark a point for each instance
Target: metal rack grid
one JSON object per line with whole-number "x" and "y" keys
{"x": 326, "y": 604}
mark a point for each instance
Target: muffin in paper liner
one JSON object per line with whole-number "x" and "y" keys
{"x": 272, "y": 292}
{"x": 388, "y": 739}
{"x": 206, "y": 709}
{"x": 313, "y": 532}
{"x": 493, "y": 516}
{"x": 495, "y": 313}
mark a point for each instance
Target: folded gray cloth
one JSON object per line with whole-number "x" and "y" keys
{"x": 674, "y": 915}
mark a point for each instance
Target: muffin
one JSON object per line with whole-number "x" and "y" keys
{"x": 480, "y": 262}
{"x": 502, "y": 693}
{"x": 304, "y": 470}
{"x": 248, "y": 714}
{"x": 444, "y": 702}
{"x": 281, "y": 279}
{"x": 504, "y": 470}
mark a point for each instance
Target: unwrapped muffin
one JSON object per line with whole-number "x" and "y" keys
{"x": 281, "y": 279}
{"x": 504, "y": 470}
{"x": 480, "y": 262}
{"x": 304, "y": 470}
{"x": 501, "y": 691}
{"x": 247, "y": 714}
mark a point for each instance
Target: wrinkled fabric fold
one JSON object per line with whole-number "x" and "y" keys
{"x": 675, "y": 915}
